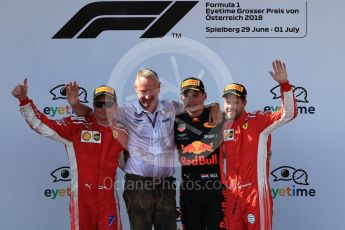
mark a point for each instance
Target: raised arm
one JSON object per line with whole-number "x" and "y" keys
{"x": 80, "y": 109}
{"x": 21, "y": 91}
{"x": 288, "y": 111}
{"x": 59, "y": 130}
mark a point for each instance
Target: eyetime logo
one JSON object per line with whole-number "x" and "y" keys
{"x": 156, "y": 17}
{"x": 59, "y": 92}
{"x": 300, "y": 186}
{"x": 54, "y": 111}
{"x": 54, "y": 193}
{"x": 60, "y": 174}
{"x": 301, "y": 96}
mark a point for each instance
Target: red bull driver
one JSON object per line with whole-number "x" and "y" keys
{"x": 198, "y": 144}
{"x": 246, "y": 144}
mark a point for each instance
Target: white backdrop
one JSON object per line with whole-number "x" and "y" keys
{"x": 308, "y": 153}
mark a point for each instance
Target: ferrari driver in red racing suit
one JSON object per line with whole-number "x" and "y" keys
{"x": 245, "y": 143}
{"x": 93, "y": 146}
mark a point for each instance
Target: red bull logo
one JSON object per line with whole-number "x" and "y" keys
{"x": 199, "y": 160}
{"x": 197, "y": 147}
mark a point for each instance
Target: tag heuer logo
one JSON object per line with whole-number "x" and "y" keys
{"x": 181, "y": 127}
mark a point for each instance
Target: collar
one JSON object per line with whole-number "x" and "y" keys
{"x": 160, "y": 108}
{"x": 92, "y": 119}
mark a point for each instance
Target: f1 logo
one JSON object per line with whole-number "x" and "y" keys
{"x": 158, "y": 16}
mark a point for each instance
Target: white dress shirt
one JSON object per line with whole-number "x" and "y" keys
{"x": 151, "y": 145}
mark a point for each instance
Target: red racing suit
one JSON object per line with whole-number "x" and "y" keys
{"x": 93, "y": 153}
{"x": 246, "y": 143}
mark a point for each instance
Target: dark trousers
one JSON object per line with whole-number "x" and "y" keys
{"x": 200, "y": 212}
{"x": 150, "y": 202}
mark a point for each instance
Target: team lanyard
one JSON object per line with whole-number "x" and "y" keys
{"x": 153, "y": 123}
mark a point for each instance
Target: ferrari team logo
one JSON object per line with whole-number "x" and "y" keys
{"x": 115, "y": 134}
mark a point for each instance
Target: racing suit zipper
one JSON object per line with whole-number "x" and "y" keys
{"x": 234, "y": 208}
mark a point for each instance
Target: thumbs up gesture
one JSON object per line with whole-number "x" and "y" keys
{"x": 21, "y": 91}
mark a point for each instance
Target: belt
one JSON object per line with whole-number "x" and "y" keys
{"x": 150, "y": 182}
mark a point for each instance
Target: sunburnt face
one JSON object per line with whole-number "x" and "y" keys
{"x": 147, "y": 90}
{"x": 234, "y": 106}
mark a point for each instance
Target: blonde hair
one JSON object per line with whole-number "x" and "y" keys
{"x": 147, "y": 73}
